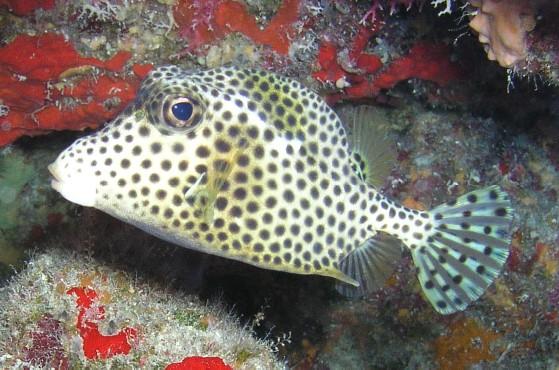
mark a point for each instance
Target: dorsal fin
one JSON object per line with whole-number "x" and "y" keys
{"x": 373, "y": 151}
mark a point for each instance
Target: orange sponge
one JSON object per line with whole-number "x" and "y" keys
{"x": 502, "y": 26}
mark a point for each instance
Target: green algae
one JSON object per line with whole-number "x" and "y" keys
{"x": 191, "y": 318}
{"x": 27, "y": 201}
{"x": 15, "y": 173}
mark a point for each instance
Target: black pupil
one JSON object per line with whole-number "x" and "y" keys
{"x": 182, "y": 111}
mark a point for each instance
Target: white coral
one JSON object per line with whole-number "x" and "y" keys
{"x": 446, "y": 3}
{"x": 103, "y": 10}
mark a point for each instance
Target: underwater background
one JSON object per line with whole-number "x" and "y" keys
{"x": 466, "y": 91}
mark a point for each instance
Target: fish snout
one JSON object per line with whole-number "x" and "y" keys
{"x": 75, "y": 183}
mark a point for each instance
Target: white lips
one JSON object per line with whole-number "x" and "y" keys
{"x": 55, "y": 180}
{"x": 77, "y": 187}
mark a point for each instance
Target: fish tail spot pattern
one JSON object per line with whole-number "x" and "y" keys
{"x": 464, "y": 249}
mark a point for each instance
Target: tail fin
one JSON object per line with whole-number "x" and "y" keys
{"x": 466, "y": 249}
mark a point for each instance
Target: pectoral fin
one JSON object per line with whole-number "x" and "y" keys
{"x": 203, "y": 193}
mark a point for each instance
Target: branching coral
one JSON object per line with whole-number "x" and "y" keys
{"x": 102, "y": 10}
{"x": 446, "y": 3}
{"x": 377, "y": 5}
{"x": 392, "y": 5}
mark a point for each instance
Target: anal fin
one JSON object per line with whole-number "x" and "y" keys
{"x": 370, "y": 265}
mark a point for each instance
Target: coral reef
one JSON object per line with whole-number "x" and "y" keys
{"x": 520, "y": 35}
{"x": 46, "y": 85}
{"x": 424, "y": 61}
{"x": 466, "y": 344}
{"x": 357, "y": 73}
{"x": 199, "y": 363}
{"x": 447, "y": 109}
{"x": 26, "y": 7}
{"x": 55, "y": 314}
{"x": 95, "y": 344}
{"x": 502, "y": 26}
{"x": 203, "y": 22}
{"x": 393, "y": 5}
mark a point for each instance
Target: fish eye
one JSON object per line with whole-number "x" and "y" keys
{"x": 182, "y": 113}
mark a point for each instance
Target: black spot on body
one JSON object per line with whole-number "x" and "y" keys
{"x": 144, "y": 131}
{"x": 288, "y": 195}
{"x": 166, "y": 165}
{"x": 202, "y": 151}
{"x": 240, "y": 193}
{"x": 258, "y": 152}
{"x": 155, "y": 148}
{"x": 221, "y": 203}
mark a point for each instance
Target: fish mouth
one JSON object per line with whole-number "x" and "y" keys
{"x": 79, "y": 188}
{"x": 55, "y": 180}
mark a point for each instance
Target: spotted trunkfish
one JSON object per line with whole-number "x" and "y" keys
{"x": 252, "y": 166}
